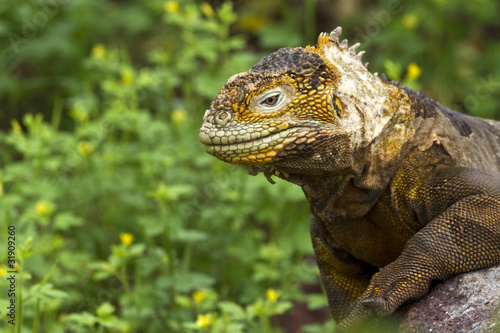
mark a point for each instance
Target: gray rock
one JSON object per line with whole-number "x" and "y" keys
{"x": 468, "y": 303}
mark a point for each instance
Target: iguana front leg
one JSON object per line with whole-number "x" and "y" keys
{"x": 464, "y": 237}
{"x": 344, "y": 277}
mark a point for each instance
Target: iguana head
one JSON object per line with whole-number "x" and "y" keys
{"x": 303, "y": 107}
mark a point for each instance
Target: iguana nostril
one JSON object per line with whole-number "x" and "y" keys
{"x": 222, "y": 118}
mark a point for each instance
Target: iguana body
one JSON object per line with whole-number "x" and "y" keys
{"x": 394, "y": 180}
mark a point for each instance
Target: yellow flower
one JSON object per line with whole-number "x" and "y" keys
{"x": 127, "y": 78}
{"x": 179, "y": 116}
{"x": 413, "y": 71}
{"x": 203, "y": 321}
{"x": 171, "y": 7}
{"x": 126, "y": 238}
{"x": 272, "y": 295}
{"x": 2, "y": 272}
{"x": 200, "y": 295}
{"x": 207, "y": 9}
{"x": 44, "y": 208}
{"x": 16, "y": 126}
{"x": 98, "y": 51}
{"x": 410, "y": 21}
{"x": 84, "y": 148}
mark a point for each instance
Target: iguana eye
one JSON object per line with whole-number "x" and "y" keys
{"x": 271, "y": 100}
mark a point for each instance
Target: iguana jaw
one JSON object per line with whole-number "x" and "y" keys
{"x": 257, "y": 145}
{"x": 230, "y": 146}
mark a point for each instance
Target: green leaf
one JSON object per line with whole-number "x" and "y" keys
{"x": 232, "y": 310}
{"x": 45, "y": 291}
{"x": 65, "y": 220}
{"x": 282, "y": 307}
{"x": 171, "y": 192}
{"x": 151, "y": 225}
{"x": 393, "y": 70}
{"x": 235, "y": 328}
{"x": 186, "y": 282}
{"x": 105, "y": 309}
{"x": 266, "y": 272}
{"x": 186, "y": 235}
{"x": 83, "y": 318}
{"x": 316, "y": 301}
{"x": 136, "y": 249}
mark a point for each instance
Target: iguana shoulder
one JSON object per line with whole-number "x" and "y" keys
{"x": 394, "y": 180}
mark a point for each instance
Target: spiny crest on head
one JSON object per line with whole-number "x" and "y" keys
{"x": 326, "y": 40}
{"x": 288, "y": 60}
{"x": 304, "y": 61}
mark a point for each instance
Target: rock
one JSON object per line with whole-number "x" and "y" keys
{"x": 465, "y": 303}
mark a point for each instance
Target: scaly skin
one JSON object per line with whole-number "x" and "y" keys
{"x": 394, "y": 180}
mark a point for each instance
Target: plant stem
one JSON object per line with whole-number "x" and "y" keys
{"x": 57, "y": 112}
{"x": 37, "y": 317}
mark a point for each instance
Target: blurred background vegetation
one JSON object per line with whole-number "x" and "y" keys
{"x": 124, "y": 223}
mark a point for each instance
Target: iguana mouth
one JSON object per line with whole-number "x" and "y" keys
{"x": 256, "y": 150}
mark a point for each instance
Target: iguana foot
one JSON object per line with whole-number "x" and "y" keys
{"x": 388, "y": 290}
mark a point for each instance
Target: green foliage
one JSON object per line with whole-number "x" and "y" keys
{"x": 123, "y": 222}
{"x": 452, "y": 42}
{"x": 126, "y": 215}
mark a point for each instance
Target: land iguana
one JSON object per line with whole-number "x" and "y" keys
{"x": 394, "y": 180}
